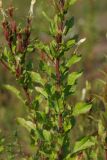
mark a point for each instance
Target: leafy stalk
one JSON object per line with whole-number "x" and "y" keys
{"x": 51, "y": 117}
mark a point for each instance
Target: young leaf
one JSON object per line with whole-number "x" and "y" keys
{"x": 68, "y": 3}
{"x": 81, "y": 108}
{"x": 70, "y": 43}
{"x": 69, "y": 24}
{"x": 73, "y": 77}
{"x": 69, "y": 123}
{"x": 84, "y": 144}
{"x": 74, "y": 59}
{"x": 42, "y": 91}
{"x": 71, "y": 2}
{"x": 37, "y": 78}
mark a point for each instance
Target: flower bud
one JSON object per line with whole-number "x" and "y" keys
{"x": 10, "y": 11}
{"x": 5, "y": 29}
{"x": 26, "y": 36}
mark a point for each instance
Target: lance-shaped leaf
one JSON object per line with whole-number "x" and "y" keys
{"x": 69, "y": 44}
{"x": 74, "y": 59}
{"x": 68, "y": 3}
{"x": 73, "y": 77}
{"x": 69, "y": 24}
{"x": 37, "y": 78}
{"x": 81, "y": 108}
{"x": 71, "y": 2}
{"x": 84, "y": 144}
{"x": 42, "y": 91}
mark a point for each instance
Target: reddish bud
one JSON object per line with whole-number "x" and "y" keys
{"x": 10, "y": 11}
{"x": 26, "y": 37}
{"x": 62, "y": 2}
{"x": 6, "y": 34}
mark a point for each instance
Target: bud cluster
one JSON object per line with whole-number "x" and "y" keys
{"x": 13, "y": 34}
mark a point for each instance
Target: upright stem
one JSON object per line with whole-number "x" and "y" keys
{"x": 57, "y": 64}
{"x": 58, "y": 71}
{"x": 58, "y": 38}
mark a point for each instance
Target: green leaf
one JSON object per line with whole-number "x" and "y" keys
{"x": 71, "y": 2}
{"x": 70, "y": 43}
{"x": 72, "y": 77}
{"x": 68, "y": 3}
{"x": 46, "y": 68}
{"x": 81, "y": 108}
{"x": 68, "y": 24}
{"x": 26, "y": 124}
{"x": 37, "y": 78}
{"x": 14, "y": 90}
{"x": 43, "y": 47}
{"x": 69, "y": 123}
{"x": 41, "y": 116}
{"x": 52, "y": 28}
{"x": 47, "y": 135}
{"x": 67, "y": 126}
{"x": 74, "y": 59}
{"x": 53, "y": 49}
{"x": 42, "y": 91}
{"x": 84, "y": 144}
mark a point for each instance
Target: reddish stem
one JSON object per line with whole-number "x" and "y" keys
{"x": 80, "y": 156}
{"x": 60, "y": 122}
{"x": 58, "y": 71}
{"x": 29, "y": 99}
